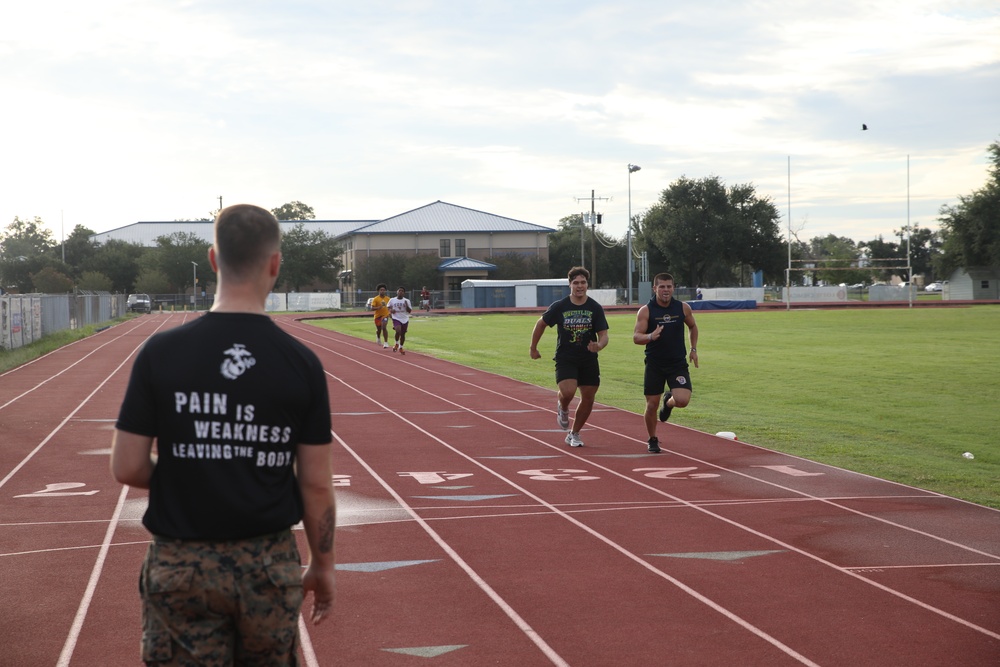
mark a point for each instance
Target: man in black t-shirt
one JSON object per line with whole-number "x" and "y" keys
{"x": 239, "y": 413}
{"x": 582, "y": 333}
{"x": 659, "y": 325}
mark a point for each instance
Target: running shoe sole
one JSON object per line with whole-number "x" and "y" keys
{"x": 666, "y": 409}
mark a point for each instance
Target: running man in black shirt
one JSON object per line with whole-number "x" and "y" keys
{"x": 583, "y": 332}
{"x": 240, "y": 416}
{"x": 659, "y": 325}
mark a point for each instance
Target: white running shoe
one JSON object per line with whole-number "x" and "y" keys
{"x": 385, "y": 346}
{"x": 562, "y": 416}
{"x": 573, "y": 439}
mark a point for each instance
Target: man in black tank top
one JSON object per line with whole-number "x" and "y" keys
{"x": 659, "y": 325}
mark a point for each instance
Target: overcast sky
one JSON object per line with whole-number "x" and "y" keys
{"x": 118, "y": 111}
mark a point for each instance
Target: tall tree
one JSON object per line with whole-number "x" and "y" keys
{"x": 95, "y": 281}
{"x": 79, "y": 248}
{"x": 308, "y": 257}
{"x": 175, "y": 255}
{"x": 51, "y": 281}
{"x": 879, "y": 253}
{"x": 152, "y": 281}
{"x": 517, "y": 266}
{"x": 119, "y": 261}
{"x": 924, "y": 246}
{"x": 421, "y": 270}
{"x": 294, "y": 210}
{"x": 970, "y": 230}
{"x": 708, "y": 232}
{"x": 565, "y": 246}
{"x": 388, "y": 268}
{"x": 836, "y": 256}
{"x": 25, "y": 247}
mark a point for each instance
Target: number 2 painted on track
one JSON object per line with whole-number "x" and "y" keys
{"x": 59, "y": 489}
{"x": 435, "y": 477}
{"x": 557, "y": 475}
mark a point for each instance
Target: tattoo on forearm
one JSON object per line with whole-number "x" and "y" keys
{"x": 327, "y": 524}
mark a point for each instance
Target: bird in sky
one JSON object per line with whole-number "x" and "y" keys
{"x": 863, "y": 126}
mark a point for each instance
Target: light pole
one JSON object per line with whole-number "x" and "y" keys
{"x": 628, "y": 233}
{"x": 194, "y": 287}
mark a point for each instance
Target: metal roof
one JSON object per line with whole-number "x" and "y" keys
{"x": 436, "y": 217}
{"x": 146, "y": 233}
{"x": 465, "y": 264}
{"x": 444, "y": 217}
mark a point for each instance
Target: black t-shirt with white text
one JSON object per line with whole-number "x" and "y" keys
{"x": 227, "y": 397}
{"x": 578, "y": 326}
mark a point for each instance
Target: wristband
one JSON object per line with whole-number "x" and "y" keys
{"x": 694, "y": 349}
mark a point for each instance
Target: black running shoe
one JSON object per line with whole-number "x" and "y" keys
{"x": 654, "y": 446}
{"x": 665, "y": 410}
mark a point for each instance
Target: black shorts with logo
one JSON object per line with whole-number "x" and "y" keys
{"x": 674, "y": 375}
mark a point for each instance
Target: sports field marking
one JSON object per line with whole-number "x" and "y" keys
{"x": 95, "y": 575}
{"x": 507, "y": 609}
{"x": 65, "y": 420}
{"x": 472, "y": 574}
{"x": 781, "y": 469}
{"x": 66, "y": 368}
{"x": 694, "y": 506}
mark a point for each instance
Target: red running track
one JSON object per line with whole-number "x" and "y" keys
{"x": 469, "y": 534}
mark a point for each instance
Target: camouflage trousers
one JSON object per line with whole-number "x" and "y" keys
{"x": 221, "y": 603}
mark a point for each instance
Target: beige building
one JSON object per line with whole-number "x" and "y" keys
{"x": 462, "y": 238}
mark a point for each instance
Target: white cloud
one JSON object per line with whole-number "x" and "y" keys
{"x": 123, "y": 111}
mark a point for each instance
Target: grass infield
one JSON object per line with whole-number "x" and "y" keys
{"x": 899, "y": 394}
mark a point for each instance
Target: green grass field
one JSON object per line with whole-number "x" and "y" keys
{"x": 895, "y": 393}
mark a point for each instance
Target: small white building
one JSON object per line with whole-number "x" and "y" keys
{"x": 974, "y": 283}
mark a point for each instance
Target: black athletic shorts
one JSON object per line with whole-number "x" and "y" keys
{"x": 675, "y": 376}
{"x": 587, "y": 373}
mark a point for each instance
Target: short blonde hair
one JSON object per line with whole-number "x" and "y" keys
{"x": 245, "y": 236}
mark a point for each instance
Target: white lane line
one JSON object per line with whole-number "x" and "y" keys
{"x": 66, "y": 368}
{"x": 507, "y": 609}
{"x": 532, "y": 634}
{"x": 797, "y": 492}
{"x": 95, "y": 574}
{"x": 658, "y": 491}
{"x": 68, "y": 417}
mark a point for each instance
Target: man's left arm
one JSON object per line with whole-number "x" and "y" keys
{"x": 315, "y": 474}
{"x": 601, "y": 343}
{"x": 693, "y": 332}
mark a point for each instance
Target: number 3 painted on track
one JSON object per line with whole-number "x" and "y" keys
{"x": 674, "y": 473}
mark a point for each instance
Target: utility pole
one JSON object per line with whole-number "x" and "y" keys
{"x": 593, "y": 231}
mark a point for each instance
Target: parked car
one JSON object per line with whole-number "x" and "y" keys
{"x": 139, "y": 303}
{"x": 934, "y": 287}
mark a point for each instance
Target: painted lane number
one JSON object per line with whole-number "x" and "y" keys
{"x": 59, "y": 489}
{"x": 435, "y": 477}
{"x": 675, "y": 473}
{"x": 558, "y": 475}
